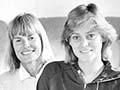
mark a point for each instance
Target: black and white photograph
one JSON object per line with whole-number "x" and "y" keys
{"x": 59, "y": 45}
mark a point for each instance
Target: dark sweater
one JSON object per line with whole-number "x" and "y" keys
{"x": 64, "y": 76}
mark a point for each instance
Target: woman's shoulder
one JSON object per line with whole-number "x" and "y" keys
{"x": 54, "y": 67}
{"x": 8, "y": 79}
{"x": 7, "y": 76}
{"x": 4, "y": 75}
{"x": 4, "y": 78}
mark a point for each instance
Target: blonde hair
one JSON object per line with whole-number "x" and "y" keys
{"x": 20, "y": 24}
{"x": 80, "y": 15}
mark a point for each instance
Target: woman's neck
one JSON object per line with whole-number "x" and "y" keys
{"x": 91, "y": 69}
{"x": 33, "y": 68}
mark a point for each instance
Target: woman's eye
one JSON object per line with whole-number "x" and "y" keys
{"x": 75, "y": 38}
{"x": 18, "y": 40}
{"x": 91, "y": 36}
{"x": 31, "y": 38}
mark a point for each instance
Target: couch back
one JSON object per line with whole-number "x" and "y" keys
{"x": 3, "y": 45}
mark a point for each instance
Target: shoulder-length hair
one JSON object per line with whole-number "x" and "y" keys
{"x": 82, "y": 14}
{"x": 21, "y": 23}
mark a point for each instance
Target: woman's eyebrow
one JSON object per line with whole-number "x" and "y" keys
{"x": 17, "y": 37}
{"x": 91, "y": 31}
{"x": 74, "y": 34}
{"x": 30, "y": 35}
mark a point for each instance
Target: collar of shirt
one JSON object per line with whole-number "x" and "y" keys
{"x": 25, "y": 75}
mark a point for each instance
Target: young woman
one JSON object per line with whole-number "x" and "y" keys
{"x": 28, "y": 51}
{"x": 87, "y": 38}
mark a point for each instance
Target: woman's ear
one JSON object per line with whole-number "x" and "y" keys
{"x": 107, "y": 54}
{"x": 103, "y": 39}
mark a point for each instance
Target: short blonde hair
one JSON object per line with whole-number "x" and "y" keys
{"x": 82, "y": 14}
{"x": 20, "y": 24}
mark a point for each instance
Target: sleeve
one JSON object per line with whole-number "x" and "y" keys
{"x": 54, "y": 83}
{"x": 50, "y": 79}
{"x": 42, "y": 83}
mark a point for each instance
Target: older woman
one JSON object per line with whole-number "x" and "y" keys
{"x": 28, "y": 51}
{"x": 87, "y": 38}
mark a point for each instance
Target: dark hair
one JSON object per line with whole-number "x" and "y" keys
{"x": 80, "y": 15}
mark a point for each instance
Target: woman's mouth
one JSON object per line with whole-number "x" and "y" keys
{"x": 85, "y": 51}
{"x": 27, "y": 52}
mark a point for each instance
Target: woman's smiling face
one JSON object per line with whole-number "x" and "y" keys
{"x": 27, "y": 46}
{"x": 86, "y": 42}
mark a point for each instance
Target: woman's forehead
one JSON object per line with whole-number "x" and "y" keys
{"x": 24, "y": 31}
{"x": 85, "y": 27}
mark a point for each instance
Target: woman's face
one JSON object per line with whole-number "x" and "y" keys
{"x": 27, "y": 47}
{"x": 86, "y": 43}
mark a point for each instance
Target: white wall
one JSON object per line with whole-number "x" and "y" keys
{"x": 62, "y": 7}
{"x": 51, "y": 8}
{"x": 10, "y": 8}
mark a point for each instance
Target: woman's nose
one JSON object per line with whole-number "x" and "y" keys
{"x": 84, "y": 42}
{"x": 26, "y": 43}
